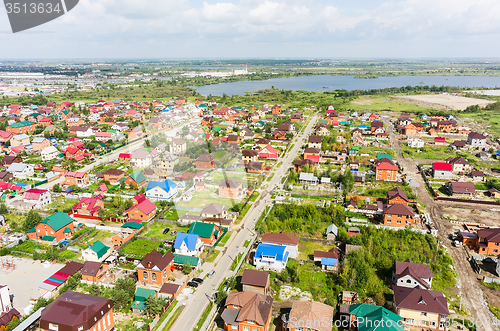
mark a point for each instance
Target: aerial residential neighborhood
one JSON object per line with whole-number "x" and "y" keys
{"x": 234, "y": 213}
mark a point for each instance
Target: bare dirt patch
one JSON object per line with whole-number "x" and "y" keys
{"x": 443, "y": 101}
{"x": 489, "y": 217}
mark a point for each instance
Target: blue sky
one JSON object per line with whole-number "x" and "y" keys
{"x": 263, "y": 29}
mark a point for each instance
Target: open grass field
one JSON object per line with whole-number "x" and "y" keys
{"x": 141, "y": 247}
{"x": 387, "y": 103}
{"x": 155, "y": 230}
{"x": 307, "y": 248}
{"x": 201, "y": 199}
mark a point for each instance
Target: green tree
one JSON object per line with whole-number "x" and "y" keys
{"x": 3, "y": 209}
{"x": 187, "y": 268}
{"x": 126, "y": 284}
{"x": 221, "y": 295}
{"x": 94, "y": 290}
{"x": 32, "y": 219}
{"x": 348, "y": 181}
{"x": 56, "y": 188}
{"x": 153, "y": 305}
{"x": 120, "y": 298}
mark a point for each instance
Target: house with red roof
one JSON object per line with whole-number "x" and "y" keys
{"x": 80, "y": 179}
{"x": 442, "y": 170}
{"x": 142, "y": 208}
{"x": 38, "y": 198}
{"x": 89, "y": 206}
{"x": 386, "y": 170}
{"x": 5, "y": 136}
{"x": 268, "y": 152}
{"x": 124, "y": 157}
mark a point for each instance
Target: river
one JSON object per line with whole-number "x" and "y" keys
{"x": 327, "y": 82}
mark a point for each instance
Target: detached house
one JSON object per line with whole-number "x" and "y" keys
{"x": 207, "y": 232}
{"x": 188, "y": 244}
{"x": 21, "y": 170}
{"x": 162, "y": 190}
{"x": 80, "y": 179}
{"x": 386, "y": 170}
{"x": 231, "y": 189}
{"x": 20, "y": 140}
{"x": 155, "y": 268}
{"x": 96, "y": 252}
{"x": 410, "y": 274}
{"x": 442, "y": 170}
{"x": 49, "y": 153}
{"x": 53, "y": 229}
{"x": 114, "y": 176}
{"x": 476, "y": 139}
{"x": 249, "y": 155}
{"x": 39, "y": 143}
{"x": 461, "y": 189}
{"x": 459, "y": 165}
{"x": 142, "y": 209}
{"x": 93, "y": 272}
{"x": 141, "y": 158}
{"x": 310, "y": 314}
{"x": 256, "y": 281}
{"x": 137, "y": 179}
{"x": 214, "y": 210}
{"x": 271, "y": 257}
{"x": 78, "y": 312}
{"x": 283, "y": 239}
{"x": 322, "y": 130}
{"x": 245, "y": 311}
{"x": 39, "y": 199}
{"x": 89, "y": 206}
{"x": 398, "y": 215}
{"x": 205, "y": 161}
{"x": 178, "y": 146}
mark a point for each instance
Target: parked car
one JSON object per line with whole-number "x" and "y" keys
{"x": 197, "y": 280}
{"x": 173, "y": 233}
{"x": 166, "y": 230}
{"x": 193, "y": 284}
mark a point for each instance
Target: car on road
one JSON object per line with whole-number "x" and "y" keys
{"x": 166, "y": 230}
{"x": 197, "y": 280}
{"x": 211, "y": 274}
{"x": 193, "y": 284}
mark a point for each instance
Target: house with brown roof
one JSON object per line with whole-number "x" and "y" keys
{"x": 398, "y": 215}
{"x": 283, "y": 239}
{"x": 311, "y": 314}
{"x": 314, "y": 142}
{"x": 410, "y": 274}
{"x": 93, "y": 272}
{"x": 214, "y": 210}
{"x": 247, "y": 311}
{"x": 461, "y": 189}
{"x": 114, "y": 175}
{"x": 486, "y": 241}
{"x": 459, "y": 165}
{"x": 397, "y": 195}
{"x": 322, "y": 130}
{"x": 329, "y": 260}
{"x": 494, "y": 193}
{"x": 249, "y": 155}
{"x": 78, "y": 312}
{"x": 205, "y": 161}
{"x": 230, "y": 189}
{"x": 170, "y": 290}
{"x": 476, "y": 139}
{"x": 255, "y": 167}
{"x": 257, "y": 281}
{"x": 424, "y": 308}
{"x": 155, "y": 268}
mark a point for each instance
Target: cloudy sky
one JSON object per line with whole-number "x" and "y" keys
{"x": 263, "y": 29}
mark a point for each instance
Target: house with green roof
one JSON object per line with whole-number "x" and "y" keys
{"x": 137, "y": 179}
{"x": 207, "y": 232}
{"x": 136, "y": 226}
{"x": 96, "y": 252}
{"x": 22, "y": 127}
{"x": 180, "y": 260}
{"x": 372, "y": 317}
{"x": 58, "y": 225}
{"x": 140, "y": 299}
{"x": 384, "y": 156}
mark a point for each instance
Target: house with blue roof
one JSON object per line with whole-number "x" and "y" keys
{"x": 271, "y": 257}
{"x": 161, "y": 190}
{"x": 188, "y": 244}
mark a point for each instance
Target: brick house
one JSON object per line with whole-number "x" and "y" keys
{"x": 155, "y": 268}
{"x": 22, "y": 127}
{"x": 142, "y": 210}
{"x": 257, "y": 281}
{"x": 398, "y": 215}
{"x": 79, "y": 179}
{"x": 386, "y": 170}
{"x": 205, "y": 161}
{"x": 93, "y": 272}
{"x": 89, "y": 206}
{"x": 137, "y": 179}
{"x": 314, "y": 142}
{"x": 79, "y": 312}
{"x": 255, "y": 167}
{"x": 230, "y": 189}
{"x": 54, "y": 228}
{"x": 207, "y": 232}
{"x": 40, "y": 143}
{"x": 114, "y": 175}
{"x": 249, "y": 155}
{"x": 396, "y": 195}
{"x": 245, "y": 311}
{"x": 461, "y": 189}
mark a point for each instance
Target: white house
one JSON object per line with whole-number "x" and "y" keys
{"x": 410, "y": 274}
{"x": 188, "y": 244}
{"x": 476, "y": 139}
{"x": 283, "y": 239}
{"x": 84, "y": 132}
{"x": 442, "y": 170}
{"x": 271, "y": 257}
{"x": 96, "y": 252}
{"x": 163, "y": 190}
{"x": 49, "y": 153}
{"x": 141, "y": 158}
{"x": 37, "y": 197}
{"x": 103, "y": 136}
{"x": 21, "y": 170}
{"x": 415, "y": 142}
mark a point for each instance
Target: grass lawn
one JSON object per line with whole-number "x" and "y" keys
{"x": 481, "y": 186}
{"x": 430, "y": 152}
{"x": 141, "y": 247}
{"x": 61, "y": 204}
{"x": 219, "y": 176}
{"x": 378, "y": 103}
{"x": 201, "y": 199}
{"x": 310, "y": 277}
{"x": 224, "y": 239}
{"x": 156, "y": 230}
{"x": 307, "y": 248}
{"x": 213, "y": 256}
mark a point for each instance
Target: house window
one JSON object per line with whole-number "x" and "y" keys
{"x": 54, "y": 327}
{"x": 495, "y": 251}
{"x": 423, "y": 314}
{"x": 145, "y": 275}
{"x": 246, "y": 328}
{"x": 153, "y": 277}
{"x": 496, "y": 244}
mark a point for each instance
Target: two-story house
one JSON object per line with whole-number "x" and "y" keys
{"x": 161, "y": 190}
{"x": 142, "y": 209}
{"x": 53, "y": 229}
{"x": 314, "y": 142}
{"x": 80, "y": 179}
{"x": 155, "y": 268}
{"x": 245, "y": 311}
{"x": 271, "y": 257}
{"x": 230, "y": 189}
{"x": 89, "y": 206}
{"x": 398, "y": 215}
{"x": 39, "y": 199}
{"x": 114, "y": 175}
{"x": 475, "y": 139}
{"x": 214, "y": 210}
{"x": 386, "y": 170}
{"x": 188, "y": 244}
{"x": 410, "y": 274}
{"x": 205, "y": 162}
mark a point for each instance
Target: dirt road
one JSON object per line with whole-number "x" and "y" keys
{"x": 472, "y": 295}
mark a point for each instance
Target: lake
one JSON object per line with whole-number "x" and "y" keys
{"x": 327, "y": 82}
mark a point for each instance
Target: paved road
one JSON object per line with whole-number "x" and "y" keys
{"x": 199, "y": 300}
{"x": 472, "y": 295}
